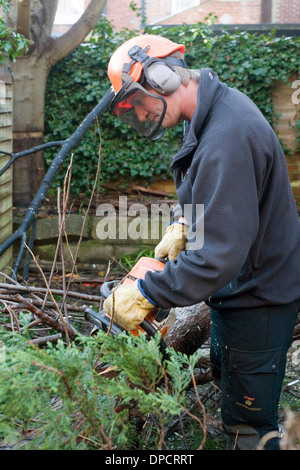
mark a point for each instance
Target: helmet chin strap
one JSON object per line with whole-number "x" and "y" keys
{"x": 162, "y": 77}
{"x": 159, "y": 136}
{"x": 137, "y": 54}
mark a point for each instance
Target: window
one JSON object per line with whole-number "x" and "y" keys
{"x": 68, "y": 11}
{"x": 181, "y": 5}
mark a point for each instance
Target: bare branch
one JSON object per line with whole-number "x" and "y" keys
{"x": 42, "y": 18}
{"x": 23, "y": 18}
{"x": 15, "y": 156}
{"x": 69, "y": 144}
{"x": 44, "y": 317}
{"x": 13, "y": 288}
{"x": 64, "y": 45}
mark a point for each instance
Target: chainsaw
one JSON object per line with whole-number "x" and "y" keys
{"x": 155, "y": 321}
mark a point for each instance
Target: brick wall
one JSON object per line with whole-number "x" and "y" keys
{"x": 228, "y": 12}
{"x": 286, "y": 11}
{"x": 122, "y": 16}
{"x": 6, "y": 179}
{"x": 156, "y": 10}
{"x": 233, "y": 12}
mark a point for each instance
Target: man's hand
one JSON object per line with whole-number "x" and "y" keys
{"x": 173, "y": 242}
{"x": 128, "y": 306}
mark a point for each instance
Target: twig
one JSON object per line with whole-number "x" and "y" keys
{"x": 12, "y": 316}
{"x": 32, "y": 289}
{"x": 15, "y": 156}
{"x": 45, "y": 339}
{"x": 35, "y": 322}
{"x": 51, "y": 295}
{"x": 39, "y": 303}
{"x": 61, "y": 226}
{"x": 56, "y": 371}
{"x": 68, "y": 145}
{"x": 44, "y": 317}
{"x": 85, "y": 217}
{"x": 14, "y": 281}
{"x": 202, "y": 424}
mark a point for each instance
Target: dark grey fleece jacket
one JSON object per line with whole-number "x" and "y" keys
{"x": 232, "y": 163}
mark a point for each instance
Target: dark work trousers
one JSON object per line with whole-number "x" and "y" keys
{"x": 248, "y": 355}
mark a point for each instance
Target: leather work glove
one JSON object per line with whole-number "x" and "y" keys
{"x": 128, "y": 306}
{"x": 173, "y": 241}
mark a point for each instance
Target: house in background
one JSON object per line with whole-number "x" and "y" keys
{"x": 227, "y": 11}
{"x": 174, "y": 12}
{"x": 255, "y": 15}
{"x": 68, "y": 12}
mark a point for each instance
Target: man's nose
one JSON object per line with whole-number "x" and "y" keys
{"x": 141, "y": 113}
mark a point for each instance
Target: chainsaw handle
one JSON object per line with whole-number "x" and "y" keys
{"x": 146, "y": 325}
{"x": 107, "y": 287}
{"x": 162, "y": 260}
{"x": 151, "y": 331}
{"x": 102, "y": 321}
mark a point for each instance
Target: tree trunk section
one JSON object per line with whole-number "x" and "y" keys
{"x": 30, "y": 76}
{"x": 34, "y": 18}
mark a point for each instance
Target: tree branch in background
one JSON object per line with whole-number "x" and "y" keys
{"x": 23, "y": 18}
{"x": 69, "y": 144}
{"x": 65, "y": 44}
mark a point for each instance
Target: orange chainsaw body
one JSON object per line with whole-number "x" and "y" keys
{"x": 155, "y": 321}
{"x": 139, "y": 271}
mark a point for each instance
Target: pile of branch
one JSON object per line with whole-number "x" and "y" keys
{"x": 47, "y": 312}
{"x": 42, "y": 303}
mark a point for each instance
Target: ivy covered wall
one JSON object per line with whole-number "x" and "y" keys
{"x": 254, "y": 64}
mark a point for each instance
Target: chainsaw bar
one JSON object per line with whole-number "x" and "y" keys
{"x": 103, "y": 322}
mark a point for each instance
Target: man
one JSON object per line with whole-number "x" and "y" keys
{"x": 248, "y": 267}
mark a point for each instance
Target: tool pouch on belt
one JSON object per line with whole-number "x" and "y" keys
{"x": 250, "y": 390}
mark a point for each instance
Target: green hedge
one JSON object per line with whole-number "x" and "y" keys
{"x": 248, "y": 62}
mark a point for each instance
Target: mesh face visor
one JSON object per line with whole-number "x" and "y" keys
{"x": 140, "y": 109}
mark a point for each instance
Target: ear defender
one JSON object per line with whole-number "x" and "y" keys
{"x": 159, "y": 72}
{"x": 162, "y": 78}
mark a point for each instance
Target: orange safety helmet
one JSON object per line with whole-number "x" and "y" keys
{"x": 144, "y": 58}
{"x": 156, "y": 46}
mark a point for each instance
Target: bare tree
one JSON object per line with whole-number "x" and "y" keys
{"x": 34, "y": 19}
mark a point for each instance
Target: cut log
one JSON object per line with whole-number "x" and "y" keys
{"x": 191, "y": 328}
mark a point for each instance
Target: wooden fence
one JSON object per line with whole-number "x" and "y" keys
{"x": 6, "y": 105}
